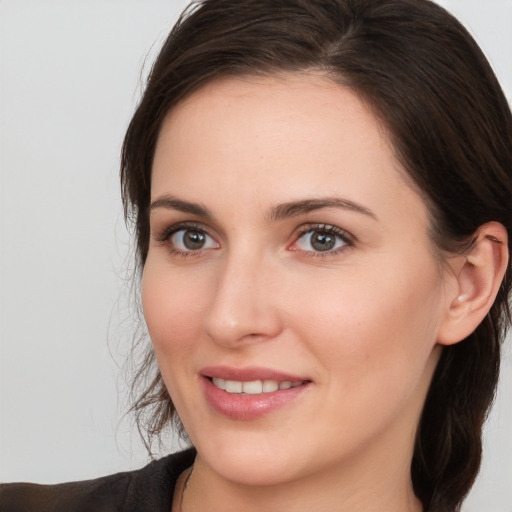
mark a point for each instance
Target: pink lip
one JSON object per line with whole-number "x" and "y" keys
{"x": 249, "y": 373}
{"x": 249, "y": 407}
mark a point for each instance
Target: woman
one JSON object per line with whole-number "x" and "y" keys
{"x": 321, "y": 194}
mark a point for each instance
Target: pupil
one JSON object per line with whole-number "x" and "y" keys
{"x": 193, "y": 240}
{"x": 322, "y": 241}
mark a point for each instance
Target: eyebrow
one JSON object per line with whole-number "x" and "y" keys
{"x": 171, "y": 203}
{"x": 294, "y": 208}
{"x": 279, "y": 212}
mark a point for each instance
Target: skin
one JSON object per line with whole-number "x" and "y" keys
{"x": 362, "y": 322}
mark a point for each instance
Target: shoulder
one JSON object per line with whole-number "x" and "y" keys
{"x": 149, "y": 489}
{"x": 105, "y": 494}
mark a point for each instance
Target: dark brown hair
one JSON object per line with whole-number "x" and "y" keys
{"x": 428, "y": 82}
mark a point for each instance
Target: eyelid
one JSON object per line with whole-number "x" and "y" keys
{"x": 348, "y": 239}
{"x": 164, "y": 234}
{"x": 165, "y": 238}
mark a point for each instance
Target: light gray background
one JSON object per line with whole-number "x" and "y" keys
{"x": 70, "y": 76}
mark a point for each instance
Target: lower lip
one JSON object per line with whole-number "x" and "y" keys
{"x": 249, "y": 407}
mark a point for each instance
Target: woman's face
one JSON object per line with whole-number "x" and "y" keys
{"x": 288, "y": 250}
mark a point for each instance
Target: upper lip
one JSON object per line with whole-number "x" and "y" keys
{"x": 249, "y": 373}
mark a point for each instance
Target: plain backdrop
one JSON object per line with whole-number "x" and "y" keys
{"x": 71, "y": 72}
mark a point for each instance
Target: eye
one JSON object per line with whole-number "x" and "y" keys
{"x": 191, "y": 239}
{"x": 186, "y": 239}
{"x": 322, "y": 239}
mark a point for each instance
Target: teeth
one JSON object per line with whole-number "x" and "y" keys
{"x": 270, "y": 385}
{"x": 220, "y": 383}
{"x": 254, "y": 387}
{"x": 233, "y": 386}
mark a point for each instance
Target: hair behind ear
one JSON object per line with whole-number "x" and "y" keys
{"x": 448, "y": 447}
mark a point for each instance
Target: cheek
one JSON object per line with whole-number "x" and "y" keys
{"x": 172, "y": 310}
{"x": 373, "y": 328}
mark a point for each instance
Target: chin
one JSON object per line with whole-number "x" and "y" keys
{"x": 251, "y": 461}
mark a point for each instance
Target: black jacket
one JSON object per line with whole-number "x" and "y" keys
{"x": 149, "y": 489}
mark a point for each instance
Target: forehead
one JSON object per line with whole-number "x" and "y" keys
{"x": 276, "y": 99}
{"x": 275, "y": 139}
{"x": 277, "y": 114}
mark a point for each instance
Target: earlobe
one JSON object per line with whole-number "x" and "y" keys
{"x": 478, "y": 280}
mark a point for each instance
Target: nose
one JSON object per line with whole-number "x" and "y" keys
{"x": 243, "y": 305}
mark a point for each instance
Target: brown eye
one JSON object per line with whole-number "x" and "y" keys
{"x": 322, "y": 239}
{"x": 192, "y": 240}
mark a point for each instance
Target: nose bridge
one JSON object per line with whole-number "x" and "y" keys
{"x": 242, "y": 303}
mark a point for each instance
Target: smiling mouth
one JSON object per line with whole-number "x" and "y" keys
{"x": 254, "y": 387}
{"x": 252, "y": 392}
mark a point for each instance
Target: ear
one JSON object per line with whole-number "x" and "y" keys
{"x": 478, "y": 275}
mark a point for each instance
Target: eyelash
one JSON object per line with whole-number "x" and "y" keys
{"x": 168, "y": 232}
{"x": 347, "y": 239}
